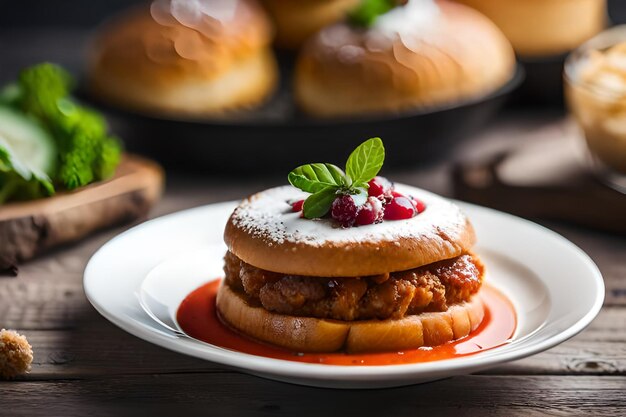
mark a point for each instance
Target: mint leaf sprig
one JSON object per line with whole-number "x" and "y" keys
{"x": 327, "y": 181}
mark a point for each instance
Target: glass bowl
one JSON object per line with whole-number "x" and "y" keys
{"x": 595, "y": 91}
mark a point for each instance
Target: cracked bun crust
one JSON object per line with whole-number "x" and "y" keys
{"x": 423, "y": 55}
{"x": 264, "y": 232}
{"x": 189, "y": 60}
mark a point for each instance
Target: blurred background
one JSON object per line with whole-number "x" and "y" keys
{"x": 513, "y": 146}
{"x": 34, "y": 31}
{"x": 82, "y": 14}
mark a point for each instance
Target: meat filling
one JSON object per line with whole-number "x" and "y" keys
{"x": 432, "y": 287}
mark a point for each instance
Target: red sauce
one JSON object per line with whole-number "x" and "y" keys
{"x": 197, "y": 316}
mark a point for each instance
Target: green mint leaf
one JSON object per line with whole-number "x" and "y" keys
{"x": 313, "y": 178}
{"x": 326, "y": 181}
{"x": 337, "y": 173}
{"x": 318, "y": 204}
{"x": 365, "y": 161}
{"x": 366, "y": 13}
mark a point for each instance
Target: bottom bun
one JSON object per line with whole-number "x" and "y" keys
{"x": 309, "y": 334}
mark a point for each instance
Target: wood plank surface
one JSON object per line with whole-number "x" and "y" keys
{"x": 61, "y": 354}
{"x": 86, "y": 366}
{"x": 232, "y": 394}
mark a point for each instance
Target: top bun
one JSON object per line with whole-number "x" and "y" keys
{"x": 185, "y": 57}
{"x": 423, "y": 54}
{"x": 264, "y": 232}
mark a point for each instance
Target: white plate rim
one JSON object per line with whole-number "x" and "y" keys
{"x": 281, "y": 369}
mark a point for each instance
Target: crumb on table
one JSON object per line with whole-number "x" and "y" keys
{"x": 16, "y": 354}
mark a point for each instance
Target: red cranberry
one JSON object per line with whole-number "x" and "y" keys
{"x": 419, "y": 205}
{"x": 399, "y": 208}
{"x": 297, "y": 205}
{"x": 371, "y": 212}
{"x": 344, "y": 210}
{"x": 378, "y": 186}
{"x": 393, "y": 194}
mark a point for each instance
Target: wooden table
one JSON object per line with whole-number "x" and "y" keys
{"x": 84, "y": 365}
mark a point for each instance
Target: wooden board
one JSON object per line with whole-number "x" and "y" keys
{"x": 550, "y": 179}
{"x": 32, "y": 227}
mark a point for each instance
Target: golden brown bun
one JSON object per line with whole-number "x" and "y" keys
{"x": 265, "y": 233}
{"x": 296, "y": 20}
{"x": 544, "y": 27}
{"x": 148, "y": 60}
{"x": 307, "y": 334}
{"x": 456, "y": 54}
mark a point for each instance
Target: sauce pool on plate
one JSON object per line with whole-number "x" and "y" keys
{"x": 197, "y": 317}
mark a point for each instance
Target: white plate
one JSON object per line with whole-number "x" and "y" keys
{"x": 556, "y": 288}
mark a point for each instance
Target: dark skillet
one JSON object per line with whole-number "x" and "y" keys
{"x": 277, "y": 137}
{"x": 543, "y": 85}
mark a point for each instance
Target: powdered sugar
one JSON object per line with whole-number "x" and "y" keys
{"x": 193, "y": 13}
{"x": 268, "y": 216}
{"x": 413, "y": 18}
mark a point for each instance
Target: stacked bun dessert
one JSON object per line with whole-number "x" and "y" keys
{"x": 191, "y": 58}
{"x": 545, "y": 27}
{"x": 421, "y": 54}
{"x": 297, "y": 20}
{"x": 346, "y": 261}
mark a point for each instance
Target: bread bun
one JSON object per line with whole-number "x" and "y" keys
{"x": 425, "y": 54}
{"x": 296, "y": 20}
{"x": 264, "y": 232}
{"x": 544, "y": 27}
{"x": 196, "y": 61}
{"x": 311, "y": 285}
{"x": 308, "y": 334}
